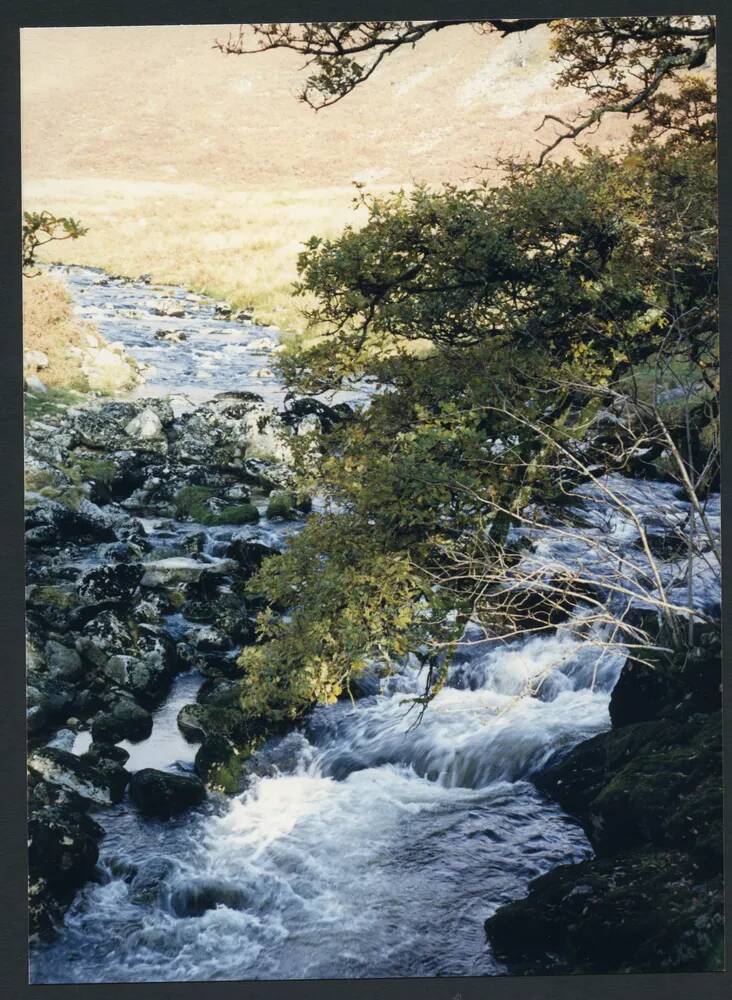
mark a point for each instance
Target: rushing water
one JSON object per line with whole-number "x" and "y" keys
{"x": 362, "y": 846}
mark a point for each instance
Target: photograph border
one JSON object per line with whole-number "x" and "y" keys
{"x": 13, "y": 835}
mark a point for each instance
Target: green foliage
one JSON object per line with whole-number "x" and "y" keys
{"x": 350, "y": 599}
{"x": 40, "y": 228}
{"x": 193, "y": 503}
{"x": 588, "y": 263}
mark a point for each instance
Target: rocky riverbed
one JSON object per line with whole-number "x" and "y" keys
{"x": 173, "y": 838}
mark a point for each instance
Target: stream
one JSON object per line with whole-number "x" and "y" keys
{"x": 361, "y": 846}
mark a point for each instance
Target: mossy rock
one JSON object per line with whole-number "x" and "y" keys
{"x": 194, "y": 503}
{"x": 50, "y": 597}
{"x": 219, "y": 763}
{"x": 287, "y": 506}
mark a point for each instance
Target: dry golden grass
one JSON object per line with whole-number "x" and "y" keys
{"x": 49, "y": 326}
{"x": 207, "y": 171}
{"x": 241, "y": 247}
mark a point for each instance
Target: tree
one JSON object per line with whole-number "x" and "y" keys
{"x": 40, "y": 228}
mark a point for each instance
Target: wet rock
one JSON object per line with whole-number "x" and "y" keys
{"x": 175, "y": 570}
{"x": 161, "y": 794}
{"x": 192, "y": 722}
{"x": 195, "y": 898}
{"x": 645, "y": 912}
{"x": 148, "y": 884}
{"x": 171, "y": 336}
{"x": 104, "y": 753}
{"x": 126, "y": 721}
{"x": 218, "y": 713}
{"x": 169, "y": 307}
{"x": 219, "y": 763}
{"x": 659, "y": 686}
{"x": 647, "y": 783}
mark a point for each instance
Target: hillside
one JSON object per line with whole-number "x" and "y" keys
{"x": 205, "y": 169}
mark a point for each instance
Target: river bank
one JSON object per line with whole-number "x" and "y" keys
{"x": 206, "y": 846}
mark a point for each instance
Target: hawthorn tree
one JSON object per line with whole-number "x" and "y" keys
{"x": 493, "y": 321}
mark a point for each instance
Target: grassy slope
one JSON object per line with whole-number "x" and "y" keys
{"x": 205, "y": 169}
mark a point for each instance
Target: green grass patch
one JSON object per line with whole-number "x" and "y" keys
{"x": 41, "y": 405}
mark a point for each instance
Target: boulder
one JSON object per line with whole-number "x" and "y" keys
{"x": 656, "y": 782}
{"x": 72, "y": 773}
{"x": 146, "y": 426}
{"x": 103, "y": 636}
{"x": 100, "y": 427}
{"x": 287, "y": 506}
{"x": 34, "y": 384}
{"x": 62, "y": 524}
{"x": 35, "y": 359}
{"x": 126, "y": 721}
{"x": 107, "y": 369}
{"x": 661, "y": 686}
{"x": 175, "y": 570}
{"x": 650, "y": 911}
{"x": 219, "y": 764}
{"x": 162, "y": 794}
{"x": 62, "y": 662}
{"x": 115, "y": 583}
{"x": 62, "y": 848}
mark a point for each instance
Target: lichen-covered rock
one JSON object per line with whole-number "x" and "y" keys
{"x": 64, "y": 769}
{"x": 104, "y": 636}
{"x": 62, "y": 855}
{"x": 115, "y": 582}
{"x": 62, "y": 662}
